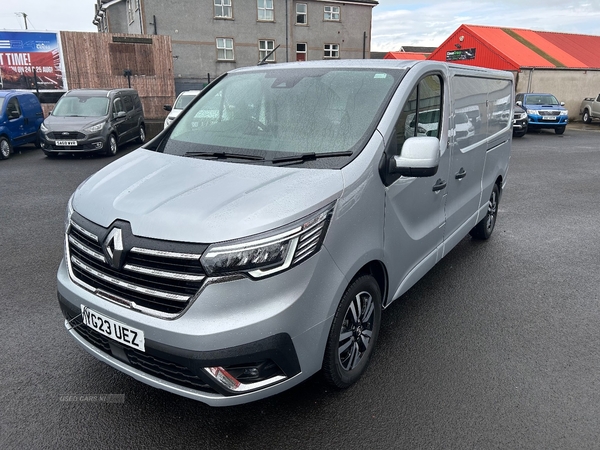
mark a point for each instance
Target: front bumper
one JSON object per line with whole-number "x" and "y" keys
{"x": 545, "y": 122}
{"x": 93, "y": 143}
{"x": 283, "y": 320}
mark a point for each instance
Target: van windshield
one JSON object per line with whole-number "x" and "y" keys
{"x": 280, "y": 113}
{"x": 81, "y": 106}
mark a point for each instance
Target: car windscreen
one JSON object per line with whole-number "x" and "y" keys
{"x": 183, "y": 101}
{"x": 285, "y": 112}
{"x": 81, "y": 106}
{"x": 541, "y": 99}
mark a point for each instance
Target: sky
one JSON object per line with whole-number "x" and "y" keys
{"x": 396, "y": 23}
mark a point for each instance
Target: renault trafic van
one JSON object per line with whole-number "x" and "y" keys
{"x": 257, "y": 239}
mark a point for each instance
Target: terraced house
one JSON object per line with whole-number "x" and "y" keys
{"x": 210, "y": 37}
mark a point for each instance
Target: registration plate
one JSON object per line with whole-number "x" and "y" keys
{"x": 112, "y": 329}
{"x": 548, "y": 118}
{"x": 67, "y": 143}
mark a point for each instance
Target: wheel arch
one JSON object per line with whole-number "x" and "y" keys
{"x": 378, "y": 271}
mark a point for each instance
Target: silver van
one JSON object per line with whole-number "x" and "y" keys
{"x": 257, "y": 239}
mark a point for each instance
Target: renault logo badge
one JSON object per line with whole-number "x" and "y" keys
{"x": 113, "y": 248}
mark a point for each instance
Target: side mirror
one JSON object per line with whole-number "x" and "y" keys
{"x": 167, "y": 107}
{"x": 420, "y": 157}
{"x": 120, "y": 114}
{"x": 562, "y": 103}
{"x": 519, "y": 102}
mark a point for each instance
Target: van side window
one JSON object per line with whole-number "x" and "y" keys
{"x": 117, "y": 106}
{"x": 13, "y": 110}
{"x": 127, "y": 103}
{"x": 422, "y": 112}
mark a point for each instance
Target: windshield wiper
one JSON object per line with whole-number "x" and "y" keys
{"x": 311, "y": 156}
{"x": 223, "y": 155}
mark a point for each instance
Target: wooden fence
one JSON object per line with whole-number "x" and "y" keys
{"x": 99, "y": 60}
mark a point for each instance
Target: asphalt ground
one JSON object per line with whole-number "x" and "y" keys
{"x": 498, "y": 347}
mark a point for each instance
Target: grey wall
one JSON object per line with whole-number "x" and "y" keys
{"x": 569, "y": 86}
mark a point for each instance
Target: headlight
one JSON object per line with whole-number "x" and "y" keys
{"x": 271, "y": 252}
{"x": 43, "y": 127}
{"x": 533, "y": 111}
{"x": 521, "y": 116}
{"x": 564, "y": 113}
{"x": 95, "y": 128}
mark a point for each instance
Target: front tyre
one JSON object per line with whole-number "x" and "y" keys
{"x": 111, "y": 146}
{"x": 5, "y": 148}
{"x": 586, "y": 117}
{"x": 353, "y": 333}
{"x": 483, "y": 230}
{"x": 559, "y": 130}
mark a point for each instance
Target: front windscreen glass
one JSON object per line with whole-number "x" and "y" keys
{"x": 81, "y": 106}
{"x": 285, "y": 112}
{"x": 541, "y": 99}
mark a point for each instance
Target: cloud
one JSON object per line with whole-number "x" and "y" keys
{"x": 397, "y": 23}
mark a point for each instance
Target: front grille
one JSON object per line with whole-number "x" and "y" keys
{"x": 156, "y": 277}
{"x": 174, "y": 372}
{"x": 63, "y": 135}
{"x": 549, "y": 113}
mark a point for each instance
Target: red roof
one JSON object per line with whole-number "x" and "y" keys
{"x": 406, "y": 55}
{"x": 514, "y": 48}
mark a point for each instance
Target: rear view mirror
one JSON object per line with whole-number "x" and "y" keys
{"x": 420, "y": 157}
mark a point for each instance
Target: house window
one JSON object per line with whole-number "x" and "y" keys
{"x": 301, "y": 51}
{"x": 130, "y": 11}
{"x": 331, "y": 51}
{"x": 265, "y": 9}
{"x": 301, "y": 14}
{"x": 331, "y": 13}
{"x": 223, "y": 9}
{"x": 264, "y": 48}
{"x": 225, "y": 49}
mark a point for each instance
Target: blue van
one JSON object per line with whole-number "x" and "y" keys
{"x": 20, "y": 119}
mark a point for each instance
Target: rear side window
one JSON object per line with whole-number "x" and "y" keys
{"x": 127, "y": 103}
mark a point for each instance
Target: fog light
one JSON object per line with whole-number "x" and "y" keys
{"x": 98, "y": 144}
{"x": 224, "y": 377}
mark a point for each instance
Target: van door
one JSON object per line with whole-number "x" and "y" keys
{"x": 16, "y": 122}
{"x": 468, "y": 146}
{"x": 131, "y": 118}
{"x": 120, "y": 123}
{"x": 414, "y": 207}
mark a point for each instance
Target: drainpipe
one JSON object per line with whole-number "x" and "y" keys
{"x": 529, "y": 80}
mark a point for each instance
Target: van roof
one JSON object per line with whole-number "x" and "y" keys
{"x": 99, "y": 92}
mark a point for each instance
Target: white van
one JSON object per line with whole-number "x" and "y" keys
{"x": 257, "y": 239}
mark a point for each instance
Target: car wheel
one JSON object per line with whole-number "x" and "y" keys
{"x": 111, "y": 146}
{"x": 353, "y": 333}
{"x": 483, "y": 230}
{"x": 5, "y": 148}
{"x": 586, "y": 117}
{"x": 559, "y": 130}
{"x": 142, "y": 134}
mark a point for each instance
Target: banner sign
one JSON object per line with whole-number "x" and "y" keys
{"x": 31, "y": 60}
{"x": 460, "y": 55}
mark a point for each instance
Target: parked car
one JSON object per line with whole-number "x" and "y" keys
{"x": 520, "y": 121}
{"x": 464, "y": 126}
{"x": 183, "y": 99}
{"x": 240, "y": 252}
{"x": 590, "y": 109}
{"x": 544, "y": 111}
{"x": 93, "y": 120}
{"x": 20, "y": 118}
